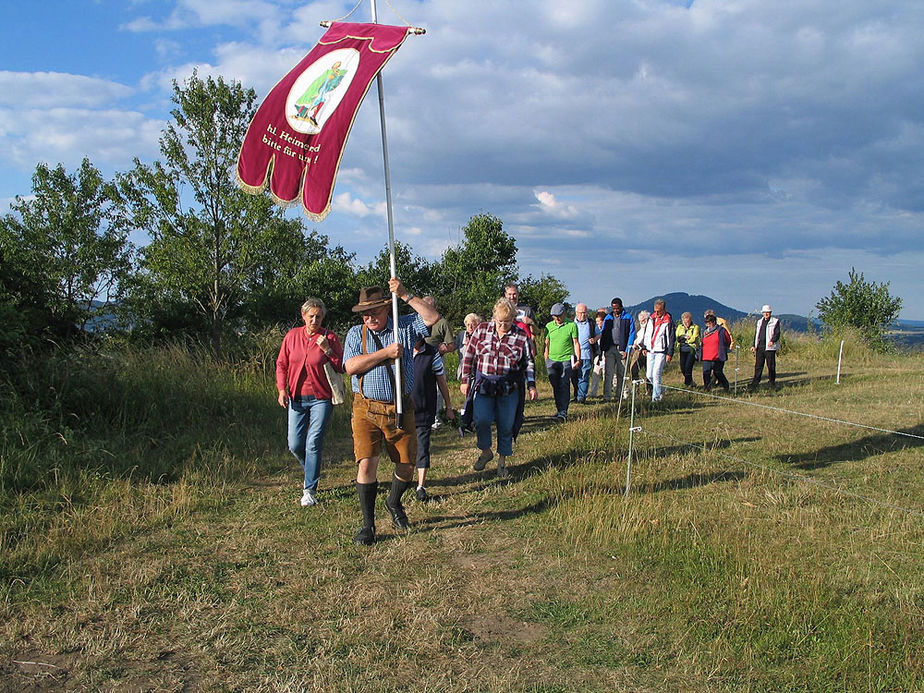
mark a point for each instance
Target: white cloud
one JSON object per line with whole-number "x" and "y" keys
{"x": 58, "y": 90}
{"x": 168, "y": 49}
{"x": 200, "y": 13}
{"x": 141, "y": 24}
{"x": 256, "y": 66}
{"x": 549, "y": 205}
{"x": 109, "y": 138}
{"x": 347, "y": 204}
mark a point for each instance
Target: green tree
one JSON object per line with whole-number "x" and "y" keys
{"x": 211, "y": 243}
{"x": 864, "y": 307}
{"x": 471, "y": 276}
{"x": 308, "y": 266}
{"x": 416, "y": 272}
{"x": 63, "y": 255}
{"x": 541, "y": 294}
{"x": 19, "y": 313}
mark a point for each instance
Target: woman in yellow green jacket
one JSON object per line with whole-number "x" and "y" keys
{"x": 688, "y": 340}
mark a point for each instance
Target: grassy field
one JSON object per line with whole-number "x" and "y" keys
{"x": 152, "y": 540}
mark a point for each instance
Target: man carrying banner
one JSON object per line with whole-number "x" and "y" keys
{"x": 369, "y": 352}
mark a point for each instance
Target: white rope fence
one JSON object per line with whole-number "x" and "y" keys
{"x": 792, "y": 475}
{"x": 633, "y": 428}
{"x": 790, "y": 411}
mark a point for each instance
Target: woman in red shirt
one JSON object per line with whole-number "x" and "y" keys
{"x": 716, "y": 341}
{"x": 304, "y": 390}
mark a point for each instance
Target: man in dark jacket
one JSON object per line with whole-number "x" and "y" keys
{"x": 429, "y": 380}
{"x": 615, "y": 339}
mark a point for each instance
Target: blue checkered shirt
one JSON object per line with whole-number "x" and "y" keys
{"x": 376, "y": 382}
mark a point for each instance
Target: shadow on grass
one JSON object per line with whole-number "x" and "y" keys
{"x": 689, "y": 481}
{"x": 792, "y": 374}
{"x": 745, "y": 387}
{"x": 537, "y": 422}
{"x": 722, "y": 444}
{"x": 668, "y": 407}
{"x": 437, "y": 522}
{"x": 866, "y": 447}
{"x": 441, "y": 522}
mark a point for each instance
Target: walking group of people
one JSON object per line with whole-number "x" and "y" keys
{"x": 617, "y": 346}
{"x": 496, "y": 373}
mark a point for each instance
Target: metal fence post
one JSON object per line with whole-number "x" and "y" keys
{"x": 737, "y": 349}
{"x": 840, "y": 356}
{"x": 632, "y": 430}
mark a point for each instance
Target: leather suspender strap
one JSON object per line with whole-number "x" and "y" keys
{"x": 391, "y": 372}
{"x": 378, "y": 345}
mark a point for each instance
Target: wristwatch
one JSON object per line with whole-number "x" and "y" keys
{"x": 409, "y": 298}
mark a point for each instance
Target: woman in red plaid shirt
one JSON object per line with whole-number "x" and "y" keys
{"x": 497, "y": 374}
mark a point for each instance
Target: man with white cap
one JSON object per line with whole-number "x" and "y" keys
{"x": 766, "y": 344}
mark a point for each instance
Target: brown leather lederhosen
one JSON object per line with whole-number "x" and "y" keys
{"x": 374, "y": 422}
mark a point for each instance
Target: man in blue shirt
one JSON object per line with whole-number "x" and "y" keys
{"x": 369, "y": 353}
{"x": 587, "y": 338}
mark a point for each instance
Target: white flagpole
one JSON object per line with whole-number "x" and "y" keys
{"x": 399, "y": 390}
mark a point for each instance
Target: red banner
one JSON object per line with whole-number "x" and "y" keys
{"x": 296, "y": 139}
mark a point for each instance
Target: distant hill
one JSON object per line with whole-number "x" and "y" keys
{"x": 908, "y": 334}
{"x": 680, "y": 301}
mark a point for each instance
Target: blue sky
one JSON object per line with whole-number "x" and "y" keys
{"x": 748, "y": 150}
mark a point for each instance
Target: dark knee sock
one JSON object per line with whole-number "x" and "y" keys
{"x": 398, "y": 487}
{"x": 366, "y": 493}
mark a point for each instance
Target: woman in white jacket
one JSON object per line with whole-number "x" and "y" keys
{"x": 640, "y": 362}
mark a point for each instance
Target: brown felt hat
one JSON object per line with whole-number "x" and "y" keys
{"x": 371, "y": 297}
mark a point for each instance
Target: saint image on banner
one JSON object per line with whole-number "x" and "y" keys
{"x": 313, "y": 99}
{"x": 317, "y": 92}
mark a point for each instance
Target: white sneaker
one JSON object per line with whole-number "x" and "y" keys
{"x": 308, "y": 498}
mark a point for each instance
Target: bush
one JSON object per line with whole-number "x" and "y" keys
{"x": 865, "y": 308}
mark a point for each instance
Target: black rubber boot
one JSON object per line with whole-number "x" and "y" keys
{"x": 366, "y": 494}
{"x": 393, "y": 503}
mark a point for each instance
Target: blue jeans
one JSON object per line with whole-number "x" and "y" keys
{"x": 501, "y": 410}
{"x": 308, "y": 418}
{"x": 580, "y": 379}
{"x": 560, "y": 379}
